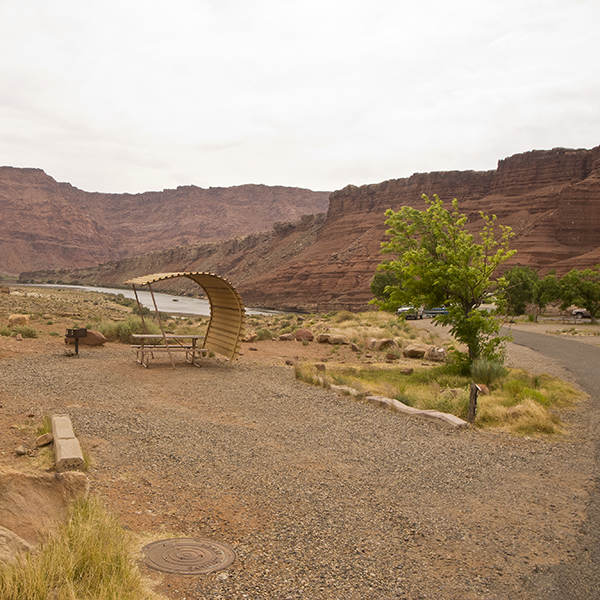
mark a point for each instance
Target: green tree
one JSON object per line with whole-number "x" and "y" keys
{"x": 545, "y": 290}
{"x": 382, "y": 280}
{"x": 440, "y": 264}
{"x": 520, "y": 285}
{"x": 582, "y": 288}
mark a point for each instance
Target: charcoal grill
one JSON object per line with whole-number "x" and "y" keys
{"x": 77, "y": 334}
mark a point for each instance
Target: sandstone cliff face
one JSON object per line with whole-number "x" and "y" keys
{"x": 48, "y": 225}
{"x": 551, "y": 199}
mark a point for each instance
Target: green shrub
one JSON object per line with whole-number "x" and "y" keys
{"x": 5, "y": 331}
{"x": 123, "y": 330}
{"x": 487, "y": 371}
{"x": 25, "y": 330}
{"x": 344, "y": 315}
{"x": 264, "y": 334}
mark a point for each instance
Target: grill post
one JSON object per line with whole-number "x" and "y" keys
{"x": 76, "y": 334}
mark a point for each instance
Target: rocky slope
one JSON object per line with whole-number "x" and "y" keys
{"x": 550, "y": 198}
{"x": 48, "y": 225}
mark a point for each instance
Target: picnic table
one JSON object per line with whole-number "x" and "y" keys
{"x": 149, "y": 343}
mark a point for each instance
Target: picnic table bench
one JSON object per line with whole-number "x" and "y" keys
{"x": 149, "y": 343}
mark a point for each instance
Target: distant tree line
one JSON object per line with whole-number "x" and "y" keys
{"x": 525, "y": 287}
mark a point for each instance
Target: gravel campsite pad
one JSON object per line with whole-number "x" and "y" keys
{"x": 321, "y": 496}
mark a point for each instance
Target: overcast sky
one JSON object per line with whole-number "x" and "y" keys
{"x": 132, "y": 95}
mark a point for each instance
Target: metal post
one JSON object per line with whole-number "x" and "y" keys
{"x": 140, "y": 309}
{"x": 161, "y": 326}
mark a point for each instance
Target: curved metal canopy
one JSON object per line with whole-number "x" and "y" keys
{"x": 227, "y": 312}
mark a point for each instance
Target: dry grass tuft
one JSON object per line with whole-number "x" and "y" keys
{"x": 89, "y": 558}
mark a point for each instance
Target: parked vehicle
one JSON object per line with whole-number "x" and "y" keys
{"x": 410, "y": 312}
{"x": 581, "y": 313}
{"x": 433, "y": 312}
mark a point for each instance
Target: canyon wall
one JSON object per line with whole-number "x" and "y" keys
{"x": 49, "y": 225}
{"x": 551, "y": 199}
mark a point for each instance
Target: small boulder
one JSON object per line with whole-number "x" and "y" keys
{"x": 386, "y": 344}
{"x": 390, "y": 356}
{"x": 250, "y": 337}
{"x": 14, "y": 320}
{"x": 20, "y": 450}
{"x": 320, "y": 367}
{"x": 19, "y": 337}
{"x": 354, "y": 347}
{"x": 407, "y": 371}
{"x": 304, "y": 335}
{"x": 436, "y": 354}
{"x": 323, "y": 338}
{"x": 286, "y": 337}
{"x": 415, "y": 351}
{"x": 484, "y": 390}
{"x": 43, "y": 440}
{"x": 338, "y": 339}
{"x": 370, "y": 343}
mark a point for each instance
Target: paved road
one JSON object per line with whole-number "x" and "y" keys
{"x": 579, "y": 579}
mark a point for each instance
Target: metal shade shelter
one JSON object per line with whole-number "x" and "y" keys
{"x": 227, "y": 312}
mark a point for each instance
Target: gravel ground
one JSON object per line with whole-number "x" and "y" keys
{"x": 321, "y": 496}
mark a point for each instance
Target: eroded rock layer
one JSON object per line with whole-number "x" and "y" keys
{"x": 551, "y": 199}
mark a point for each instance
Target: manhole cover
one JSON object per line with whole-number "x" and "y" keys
{"x": 188, "y": 556}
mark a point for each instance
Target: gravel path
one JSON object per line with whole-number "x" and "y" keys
{"x": 322, "y": 497}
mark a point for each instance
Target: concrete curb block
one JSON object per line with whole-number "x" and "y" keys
{"x": 66, "y": 446}
{"x": 445, "y": 418}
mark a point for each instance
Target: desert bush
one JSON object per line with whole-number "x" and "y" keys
{"x": 25, "y": 330}
{"x": 123, "y": 330}
{"x": 264, "y": 334}
{"x": 5, "y": 331}
{"x": 344, "y": 315}
{"x": 89, "y": 557}
{"x": 487, "y": 371}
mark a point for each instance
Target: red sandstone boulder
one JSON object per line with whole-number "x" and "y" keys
{"x": 304, "y": 335}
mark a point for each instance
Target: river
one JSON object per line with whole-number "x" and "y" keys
{"x": 174, "y": 305}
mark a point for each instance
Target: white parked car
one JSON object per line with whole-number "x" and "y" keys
{"x": 410, "y": 312}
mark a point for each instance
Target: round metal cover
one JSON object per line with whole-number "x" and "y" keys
{"x": 188, "y": 556}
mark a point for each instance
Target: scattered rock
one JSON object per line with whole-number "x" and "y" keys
{"x": 289, "y": 362}
{"x": 386, "y": 344}
{"x": 354, "y": 347}
{"x": 484, "y": 390}
{"x": 19, "y": 337}
{"x": 20, "y": 450}
{"x": 370, "y": 343}
{"x": 286, "y": 337}
{"x": 415, "y": 350}
{"x": 436, "y": 354}
{"x": 320, "y": 367}
{"x": 254, "y": 348}
{"x": 323, "y": 338}
{"x": 304, "y": 335}
{"x": 18, "y": 320}
{"x": 338, "y": 339}
{"x": 250, "y": 337}
{"x": 407, "y": 371}
{"x": 391, "y": 357}
{"x": 44, "y": 440}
